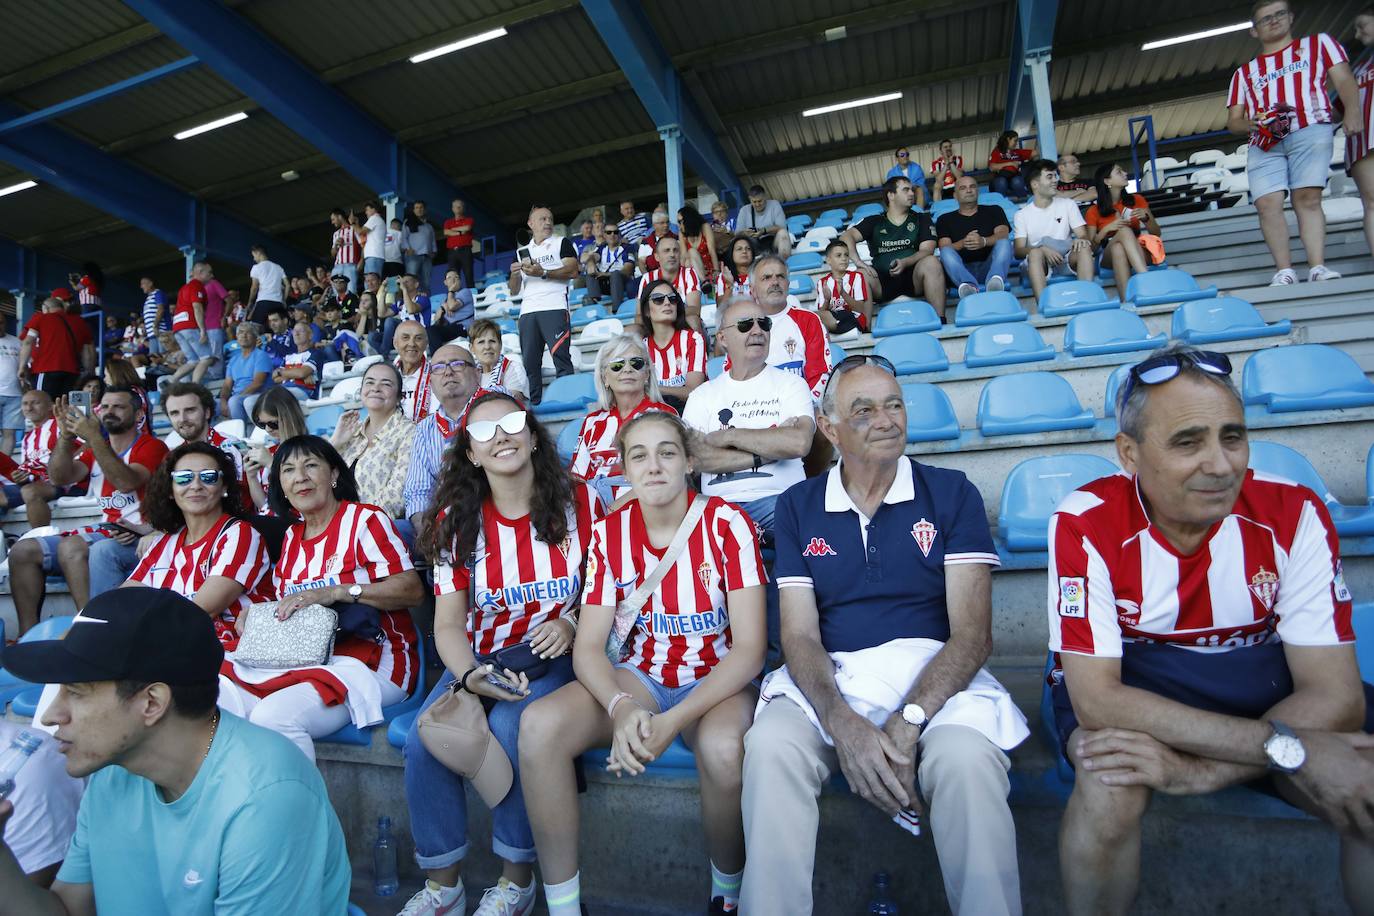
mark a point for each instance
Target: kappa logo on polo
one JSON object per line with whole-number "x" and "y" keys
{"x": 819, "y": 548}
{"x": 924, "y": 532}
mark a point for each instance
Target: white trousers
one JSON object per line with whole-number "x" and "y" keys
{"x": 297, "y": 711}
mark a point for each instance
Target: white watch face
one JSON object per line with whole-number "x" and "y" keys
{"x": 1286, "y": 752}
{"x": 914, "y": 714}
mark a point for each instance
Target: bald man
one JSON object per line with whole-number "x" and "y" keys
{"x": 411, "y": 342}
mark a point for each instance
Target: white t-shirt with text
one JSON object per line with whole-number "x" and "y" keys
{"x": 540, "y": 294}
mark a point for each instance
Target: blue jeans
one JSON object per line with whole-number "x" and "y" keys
{"x": 110, "y": 563}
{"x": 994, "y": 265}
{"x": 373, "y": 266}
{"x": 439, "y": 805}
{"x": 1009, "y": 184}
{"x": 351, "y": 272}
{"x": 760, "y": 511}
{"x": 422, "y": 266}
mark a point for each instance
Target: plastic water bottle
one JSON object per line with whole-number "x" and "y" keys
{"x": 384, "y": 879}
{"x": 881, "y": 904}
{"x": 14, "y": 758}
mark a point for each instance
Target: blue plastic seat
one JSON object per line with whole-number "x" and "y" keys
{"x": 322, "y": 420}
{"x": 1005, "y": 344}
{"x": 940, "y": 207}
{"x": 837, "y": 354}
{"x": 351, "y": 734}
{"x": 1206, "y": 321}
{"x": 905, "y": 316}
{"x": 586, "y": 315}
{"x": 567, "y": 439}
{"x": 1282, "y": 461}
{"x": 807, "y": 260}
{"x": 1034, "y": 488}
{"x": 676, "y": 761}
{"x": 567, "y": 392}
{"x": 1363, "y": 620}
{"x": 913, "y": 353}
{"x": 1158, "y": 287}
{"x": 52, "y": 628}
{"x": 716, "y": 365}
{"x": 577, "y": 295}
{"x": 988, "y": 308}
{"x": 25, "y": 704}
{"x": 1368, "y": 488}
{"x": 1305, "y": 377}
{"x": 801, "y": 285}
{"x": 627, "y": 310}
{"x": 864, "y": 211}
{"x": 1114, "y": 383}
{"x": 839, "y": 213}
{"x": 399, "y": 727}
{"x": 829, "y": 222}
{"x": 1030, "y": 402}
{"x": 1072, "y": 297}
{"x": 1113, "y": 331}
{"x": 798, "y": 224}
{"x": 930, "y": 416}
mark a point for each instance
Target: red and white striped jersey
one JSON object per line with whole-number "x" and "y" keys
{"x": 310, "y": 383}
{"x": 122, "y": 505}
{"x": 1270, "y": 567}
{"x": 596, "y": 455}
{"x": 687, "y": 280}
{"x": 798, "y": 344}
{"x": 515, "y": 582}
{"x": 726, "y": 284}
{"x": 828, "y": 290}
{"x": 360, "y": 545}
{"x": 684, "y": 628}
{"x": 1357, "y": 145}
{"x": 347, "y": 249}
{"x": 231, "y": 549}
{"x": 1293, "y": 76}
{"x": 417, "y": 399}
{"x": 37, "y": 448}
{"x": 686, "y": 352}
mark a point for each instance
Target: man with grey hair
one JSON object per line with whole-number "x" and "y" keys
{"x": 889, "y": 562}
{"x": 1202, "y": 636}
{"x": 798, "y": 343}
{"x": 753, "y": 425}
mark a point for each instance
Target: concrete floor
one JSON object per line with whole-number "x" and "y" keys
{"x": 388, "y": 906}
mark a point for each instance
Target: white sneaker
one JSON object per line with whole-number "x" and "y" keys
{"x": 506, "y": 899}
{"x": 433, "y": 900}
{"x": 1285, "y": 277}
{"x": 1321, "y": 272}
{"x": 967, "y": 289}
{"x": 996, "y": 284}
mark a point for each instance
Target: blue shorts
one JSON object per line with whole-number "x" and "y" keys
{"x": 1300, "y": 160}
{"x": 665, "y": 697}
{"x": 11, "y": 417}
{"x": 190, "y": 344}
{"x": 49, "y": 544}
{"x": 14, "y": 495}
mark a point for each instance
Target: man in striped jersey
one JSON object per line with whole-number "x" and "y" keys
{"x": 1280, "y": 100}
{"x": 1203, "y": 637}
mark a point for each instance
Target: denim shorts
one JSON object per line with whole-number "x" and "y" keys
{"x": 665, "y": 697}
{"x": 190, "y": 344}
{"x": 49, "y": 544}
{"x": 11, "y": 417}
{"x": 1300, "y": 160}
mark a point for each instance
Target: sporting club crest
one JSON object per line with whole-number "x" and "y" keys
{"x": 704, "y": 573}
{"x": 1265, "y": 585}
{"x": 924, "y": 532}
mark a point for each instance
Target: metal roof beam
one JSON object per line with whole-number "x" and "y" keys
{"x": 296, "y": 96}
{"x": 57, "y": 64}
{"x": 624, "y": 27}
{"x": 1032, "y": 37}
{"x": 97, "y": 95}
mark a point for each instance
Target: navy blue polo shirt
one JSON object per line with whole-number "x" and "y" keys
{"x": 882, "y": 578}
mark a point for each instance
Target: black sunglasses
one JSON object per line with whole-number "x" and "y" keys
{"x": 1159, "y": 369}
{"x": 270, "y": 425}
{"x": 745, "y": 325}
{"x": 660, "y": 298}
{"x": 861, "y": 359}
{"x": 636, "y": 363}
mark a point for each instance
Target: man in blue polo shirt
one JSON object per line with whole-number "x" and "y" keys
{"x": 884, "y": 569}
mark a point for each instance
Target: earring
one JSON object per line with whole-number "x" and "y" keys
{"x": 476, "y": 463}
{"x": 334, "y": 485}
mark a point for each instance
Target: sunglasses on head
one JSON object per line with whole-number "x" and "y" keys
{"x": 184, "y": 478}
{"x": 660, "y": 298}
{"x": 635, "y": 362}
{"x": 1159, "y": 369}
{"x": 745, "y": 325}
{"x": 485, "y": 430}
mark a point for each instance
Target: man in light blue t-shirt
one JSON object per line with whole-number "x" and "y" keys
{"x": 189, "y": 811}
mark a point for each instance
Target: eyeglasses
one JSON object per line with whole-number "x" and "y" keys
{"x": 745, "y": 325}
{"x": 1274, "y": 18}
{"x": 485, "y": 430}
{"x": 636, "y": 363}
{"x": 660, "y": 298}
{"x": 1159, "y": 369}
{"x": 270, "y": 425}
{"x": 903, "y": 154}
{"x": 453, "y": 365}
{"x": 184, "y": 478}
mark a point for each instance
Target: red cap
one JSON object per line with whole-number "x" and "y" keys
{"x": 62, "y": 293}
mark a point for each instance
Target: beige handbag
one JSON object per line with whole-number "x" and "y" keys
{"x": 454, "y": 730}
{"x": 303, "y": 640}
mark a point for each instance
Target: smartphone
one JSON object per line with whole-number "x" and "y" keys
{"x": 80, "y": 400}
{"x": 522, "y": 255}
{"x": 114, "y": 528}
{"x": 502, "y": 683}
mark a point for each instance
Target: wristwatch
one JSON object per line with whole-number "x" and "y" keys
{"x": 355, "y": 591}
{"x": 758, "y": 461}
{"x": 1284, "y": 749}
{"x": 913, "y": 714}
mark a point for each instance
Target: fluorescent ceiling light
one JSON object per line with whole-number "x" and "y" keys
{"x": 457, "y": 46}
{"x": 854, "y": 103}
{"x": 15, "y": 188}
{"x": 1194, "y": 36}
{"x": 203, "y": 128}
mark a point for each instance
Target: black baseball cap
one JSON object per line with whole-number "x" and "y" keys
{"x": 147, "y": 635}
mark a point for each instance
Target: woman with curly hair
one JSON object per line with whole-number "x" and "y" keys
{"x": 206, "y": 551}
{"x": 507, "y": 532}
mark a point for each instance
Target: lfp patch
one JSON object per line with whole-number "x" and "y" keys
{"x": 1073, "y": 597}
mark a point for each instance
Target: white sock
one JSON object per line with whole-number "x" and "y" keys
{"x": 726, "y": 886}
{"x": 446, "y": 895}
{"x": 565, "y": 899}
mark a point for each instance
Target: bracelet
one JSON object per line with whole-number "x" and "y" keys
{"x": 615, "y": 701}
{"x": 463, "y": 681}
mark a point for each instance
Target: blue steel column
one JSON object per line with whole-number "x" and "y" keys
{"x": 1028, "y": 80}
{"x": 672, "y": 155}
{"x": 1038, "y": 64}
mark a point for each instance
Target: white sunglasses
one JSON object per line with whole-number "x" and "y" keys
{"x": 485, "y": 430}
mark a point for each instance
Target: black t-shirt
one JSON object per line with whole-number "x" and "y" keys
{"x": 888, "y": 241}
{"x": 955, "y": 225}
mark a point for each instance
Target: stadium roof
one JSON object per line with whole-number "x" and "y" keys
{"x": 546, "y": 114}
